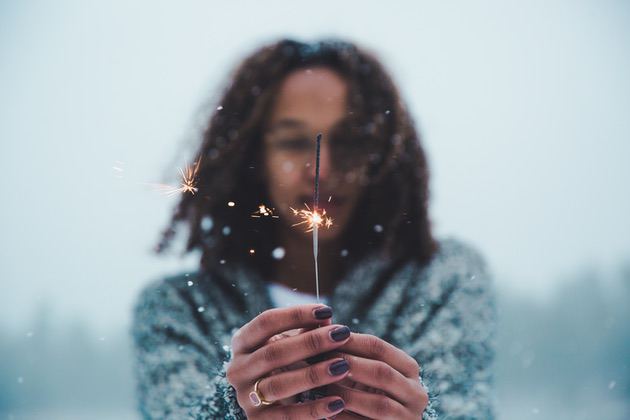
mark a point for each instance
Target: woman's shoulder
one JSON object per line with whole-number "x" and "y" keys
{"x": 169, "y": 291}
{"x": 452, "y": 250}
{"x": 456, "y": 264}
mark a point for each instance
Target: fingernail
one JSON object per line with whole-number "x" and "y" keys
{"x": 340, "y": 334}
{"x": 323, "y": 313}
{"x": 336, "y": 405}
{"x": 339, "y": 367}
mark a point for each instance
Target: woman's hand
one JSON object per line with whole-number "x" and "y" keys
{"x": 255, "y": 355}
{"x": 388, "y": 379}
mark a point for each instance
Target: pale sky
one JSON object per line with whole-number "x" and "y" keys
{"x": 524, "y": 109}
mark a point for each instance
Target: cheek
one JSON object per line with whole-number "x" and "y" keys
{"x": 356, "y": 177}
{"x": 283, "y": 178}
{"x": 282, "y": 171}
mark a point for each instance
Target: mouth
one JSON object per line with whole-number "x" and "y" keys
{"x": 330, "y": 203}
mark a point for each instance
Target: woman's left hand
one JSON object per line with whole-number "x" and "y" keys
{"x": 395, "y": 376}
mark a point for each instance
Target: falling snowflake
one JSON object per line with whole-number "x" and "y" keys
{"x": 278, "y": 253}
{"x": 207, "y": 223}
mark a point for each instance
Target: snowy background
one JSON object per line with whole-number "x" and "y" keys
{"x": 525, "y": 112}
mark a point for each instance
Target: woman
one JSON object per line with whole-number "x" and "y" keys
{"x": 210, "y": 346}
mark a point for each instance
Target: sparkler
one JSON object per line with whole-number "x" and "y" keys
{"x": 315, "y": 206}
{"x": 313, "y": 219}
{"x": 188, "y": 181}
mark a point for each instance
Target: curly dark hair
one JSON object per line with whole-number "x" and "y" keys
{"x": 378, "y": 132}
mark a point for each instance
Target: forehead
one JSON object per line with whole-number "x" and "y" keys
{"x": 315, "y": 96}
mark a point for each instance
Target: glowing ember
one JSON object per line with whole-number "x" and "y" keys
{"x": 264, "y": 211}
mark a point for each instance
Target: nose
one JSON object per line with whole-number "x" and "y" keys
{"x": 325, "y": 164}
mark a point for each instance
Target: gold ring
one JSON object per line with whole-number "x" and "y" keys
{"x": 257, "y": 397}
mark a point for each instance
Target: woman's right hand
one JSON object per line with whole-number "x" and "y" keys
{"x": 255, "y": 356}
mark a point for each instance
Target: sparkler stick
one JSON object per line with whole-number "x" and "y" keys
{"x": 313, "y": 218}
{"x": 315, "y": 208}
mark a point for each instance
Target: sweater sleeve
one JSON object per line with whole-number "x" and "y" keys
{"x": 180, "y": 364}
{"x": 452, "y": 329}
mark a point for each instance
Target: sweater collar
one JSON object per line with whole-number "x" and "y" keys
{"x": 347, "y": 299}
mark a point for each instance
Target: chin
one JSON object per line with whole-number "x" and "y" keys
{"x": 329, "y": 234}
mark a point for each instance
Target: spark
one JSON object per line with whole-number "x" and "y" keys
{"x": 264, "y": 211}
{"x": 312, "y": 218}
{"x": 188, "y": 181}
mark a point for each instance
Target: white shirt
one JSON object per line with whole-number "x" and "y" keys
{"x": 282, "y": 296}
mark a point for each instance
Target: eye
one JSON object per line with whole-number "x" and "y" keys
{"x": 294, "y": 144}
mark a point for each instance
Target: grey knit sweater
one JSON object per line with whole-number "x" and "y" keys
{"x": 442, "y": 314}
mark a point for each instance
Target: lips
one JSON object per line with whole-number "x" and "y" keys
{"x": 332, "y": 207}
{"x": 335, "y": 201}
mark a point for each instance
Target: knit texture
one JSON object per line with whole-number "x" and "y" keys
{"x": 442, "y": 314}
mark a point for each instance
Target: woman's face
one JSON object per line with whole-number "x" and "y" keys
{"x": 309, "y": 101}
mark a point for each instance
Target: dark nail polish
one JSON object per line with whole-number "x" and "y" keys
{"x": 336, "y": 405}
{"x": 339, "y": 367}
{"x": 340, "y": 334}
{"x": 323, "y": 313}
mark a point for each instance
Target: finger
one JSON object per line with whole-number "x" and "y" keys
{"x": 321, "y": 323}
{"x": 374, "y": 406}
{"x": 322, "y": 408}
{"x": 285, "y": 334}
{"x": 372, "y": 347}
{"x": 274, "y": 321}
{"x": 380, "y": 375}
{"x": 318, "y": 357}
{"x": 297, "y": 331}
{"x": 290, "y": 350}
{"x": 288, "y": 384}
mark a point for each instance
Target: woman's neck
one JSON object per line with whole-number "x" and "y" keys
{"x": 297, "y": 268}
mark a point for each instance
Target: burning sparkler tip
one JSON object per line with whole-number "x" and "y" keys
{"x": 312, "y": 218}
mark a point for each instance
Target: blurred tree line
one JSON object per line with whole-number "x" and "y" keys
{"x": 571, "y": 351}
